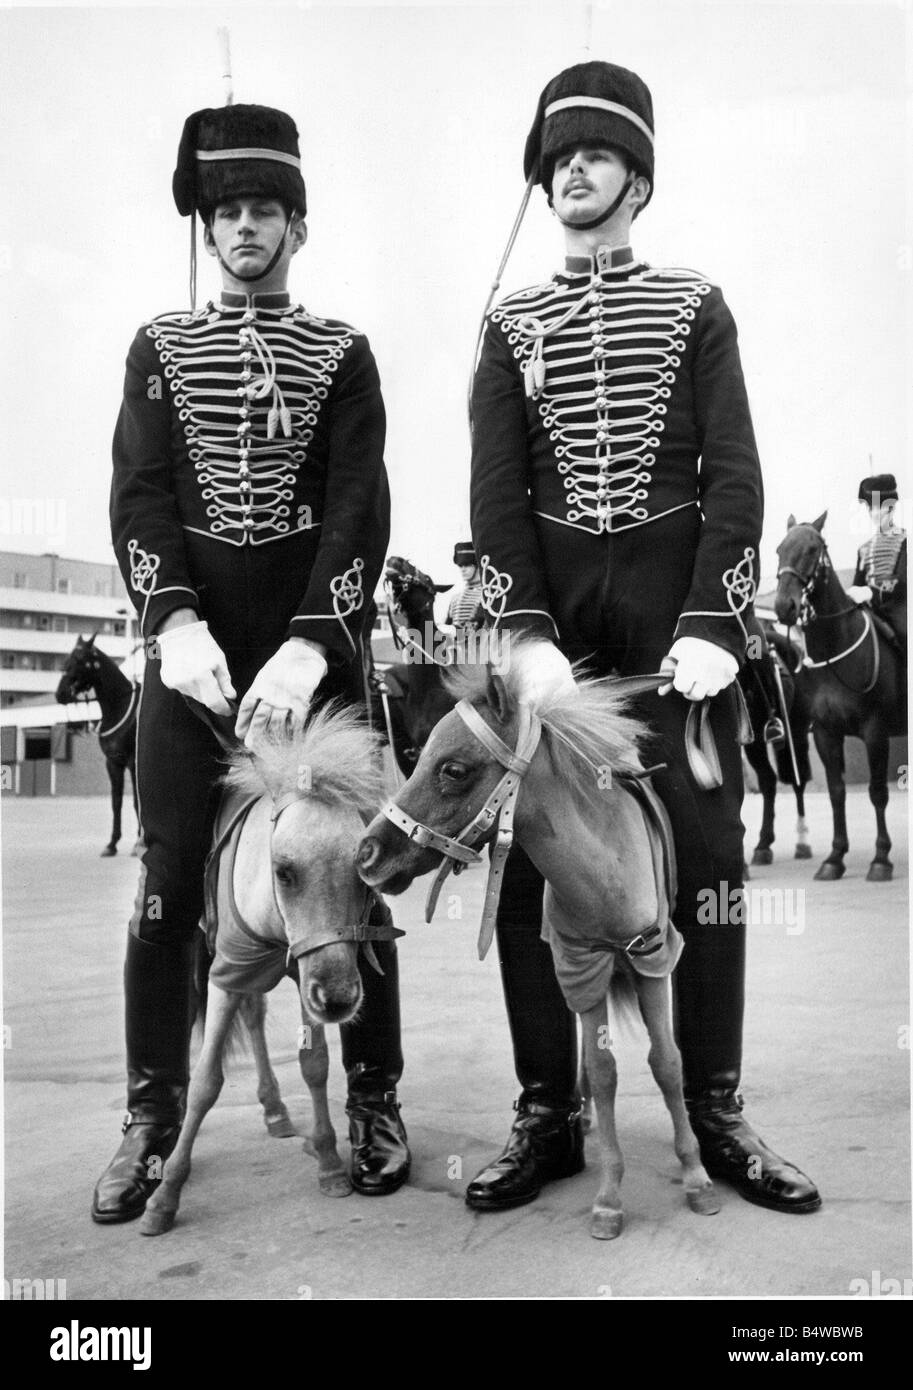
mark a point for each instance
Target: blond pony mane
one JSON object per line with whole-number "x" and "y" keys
{"x": 336, "y": 759}
{"x": 584, "y": 731}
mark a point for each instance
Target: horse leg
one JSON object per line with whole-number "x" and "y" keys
{"x": 654, "y": 996}
{"x": 116, "y": 778}
{"x": 767, "y": 785}
{"x": 877, "y": 748}
{"x": 314, "y": 1060}
{"x": 275, "y": 1116}
{"x": 830, "y": 751}
{"x": 202, "y": 1094}
{"x": 608, "y": 1217}
{"x": 803, "y": 848}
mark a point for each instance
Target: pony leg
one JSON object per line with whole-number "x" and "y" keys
{"x": 205, "y": 1085}
{"x": 654, "y": 996}
{"x": 767, "y": 785}
{"x": 275, "y": 1116}
{"x": 139, "y": 844}
{"x": 803, "y": 848}
{"x": 314, "y": 1060}
{"x": 586, "y": 1096}
{"x": 830, "y": 751}
{"x": 877, "y": 748}
{"x": 608, "y": 1217}
{"x": 116, "y": 778}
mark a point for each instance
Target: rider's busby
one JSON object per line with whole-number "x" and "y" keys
{"x": 598, "y": 102}
{"x": 884, "y": 485}
{"x": 230, "y": 151}
{"x": 464, "y": 553}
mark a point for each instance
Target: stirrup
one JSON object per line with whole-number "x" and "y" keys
{"x": 774, "y": 732}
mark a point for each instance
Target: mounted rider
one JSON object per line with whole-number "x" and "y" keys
{"x": 459, "y": 610}
{"x": 250, "y": 515}
{"x": 881, "y": 564}
{"x": 616, "y": 509}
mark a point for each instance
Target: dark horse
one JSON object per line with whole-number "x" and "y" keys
{"x": 854, "y": 678}
{"x": 777, "y": 705}
{"x": 417, "y": 698}
{"x": 88, "y": 669}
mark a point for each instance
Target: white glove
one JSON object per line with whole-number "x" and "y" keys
{"x": 544, "y": 675}
{"x": 280, "y": 695}
{"x": 194, "y": 664}
{"x": 859, "y": 593}
{"x": 702, "y": 668}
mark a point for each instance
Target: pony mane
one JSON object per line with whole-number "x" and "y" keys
{"x": 583, "y": 731}
{"x": 336, "y": 758}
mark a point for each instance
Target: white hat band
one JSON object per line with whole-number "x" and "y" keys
{"x": 277, "y": 155}
{"x": 566, "y": 103}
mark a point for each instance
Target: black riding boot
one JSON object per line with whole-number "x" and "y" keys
{"x": 373, "y": 1059}
{"x": 546, "y": 1138}
{"x": 157, "y": 990}
{"x": 709, "y": 1003}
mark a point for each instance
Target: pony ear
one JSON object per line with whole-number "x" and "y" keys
{"x": 819, "y": 524}
{"x": 790, "y": 521}
{"x": 92, "y": 638}
{"x": 497, "y": 697}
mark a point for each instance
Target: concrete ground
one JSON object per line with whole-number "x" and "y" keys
{"x": 826, "y": 1080}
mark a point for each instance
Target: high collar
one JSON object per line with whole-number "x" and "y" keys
{"x": 230, "y": 299}
{"x": 606, "y": 258}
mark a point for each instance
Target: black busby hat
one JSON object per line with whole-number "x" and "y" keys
{"x": 882, "y": 484}
{"x": 592, "y": 102}
{"x": 228, "y": 151}
{"x": 464, "y": 553}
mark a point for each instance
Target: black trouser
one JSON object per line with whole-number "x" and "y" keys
{"x": 618, "y": 605}
{"x": 179, "y": 763}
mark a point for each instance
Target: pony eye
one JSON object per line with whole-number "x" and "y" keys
{"x": 455, "y": 771}
{"x": 285, "y": 875}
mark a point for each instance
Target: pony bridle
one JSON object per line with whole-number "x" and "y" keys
{"x": 499, "y": 808}
{"x": 808, "y": 582}
{"x": 363, "y": 932}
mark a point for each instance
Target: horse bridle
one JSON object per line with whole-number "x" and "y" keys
{"x": 500, "y": 807}
{"x": 363, "y": 932}
{"x": 808, "y": 614}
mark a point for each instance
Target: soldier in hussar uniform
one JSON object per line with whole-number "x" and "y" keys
{"x": 250, "y": 517}
{"x": 459, "y": 610}
{"x": 616, "y": 510}
{"x": 881, "y": 564}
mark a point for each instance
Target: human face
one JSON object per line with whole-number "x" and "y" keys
{"x": 244, "y": 233}
{"x": 587, "y": 179}
{"x": 467, "y": 572}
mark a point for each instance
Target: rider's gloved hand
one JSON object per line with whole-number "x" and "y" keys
{"x": 702, "y": 668}
{"x": 281, "y": 692}
{"x": 544, "y": 673}
{"x": 194, "y": 664}
{"x": 859, "y": 593}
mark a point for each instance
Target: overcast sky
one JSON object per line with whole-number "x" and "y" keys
{"x": 781, "y": 148}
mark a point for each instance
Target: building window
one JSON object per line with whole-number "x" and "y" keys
{"x": 7, "y": 660}
{"x": 28, "y": 620}
{"x": 119, "y": 629}
{"x": 44, "y": 622}
{"x": 47, "y": 663}
{"x": 63, "y": 586}
{"x": 20, "y": 580}
{"x": 59, "y": 622}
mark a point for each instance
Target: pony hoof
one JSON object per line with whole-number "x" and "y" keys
{"x": 829, "y": 872}
{"x": 335, "y": 1184}
{"x": 803, "y": 852}
{"x": 280, "y": 1126}
{"x": 703, "y": 1200}
{"x": 880, "y": 871}
{"x": 762, "y": 856}
{"x": 137, "y": 849}
{"x": 108, "y": 852}
{"x": 606, "y": 1225}
{"x": 156, "y": 1223}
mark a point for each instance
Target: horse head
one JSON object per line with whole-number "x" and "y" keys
{"x": 80, "y": 671}
{"x": 322, "y": 785}
{"x": 801, "y": 557}
{"x": 453, "y": 779}
{"x": 410, "y": 590}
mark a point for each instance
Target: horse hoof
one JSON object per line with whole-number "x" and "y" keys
{"x": 703, "y": 1200}
{"x": 280, "y": 1126}
{"x": 880, "y": 871}
{"x": 137, "y": 849}
{"x": 762, "y": 856}
{"x": 335, "y": 1184}
{"x": 828, "y": 872}
{"x": 108, "y": 852}
{"x": 606, "y": 1225}
{"x": 803, "y": 852}
{"x": 156, "y": 1223}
